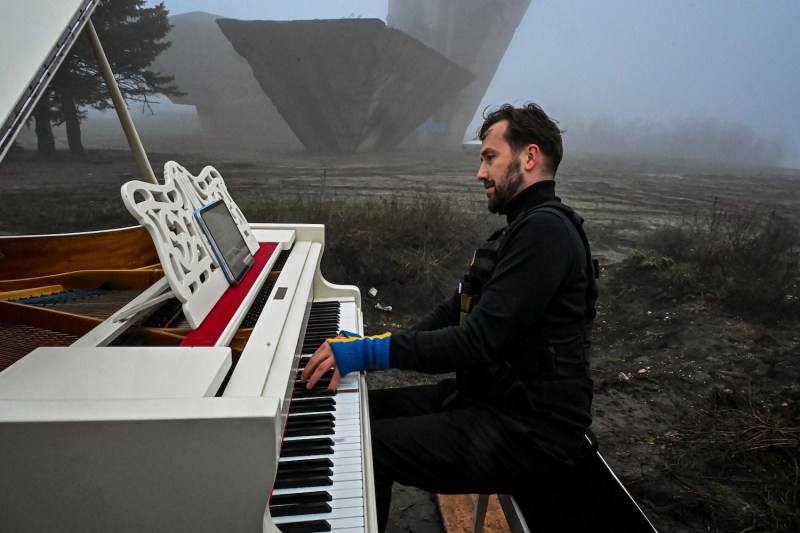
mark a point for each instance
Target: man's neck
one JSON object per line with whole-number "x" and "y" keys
{"x": 530, "y": 196}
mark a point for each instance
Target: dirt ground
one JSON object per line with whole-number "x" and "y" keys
{"x": 659, "y": 358}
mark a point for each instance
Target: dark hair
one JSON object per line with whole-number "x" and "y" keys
{"x": 528, "y": 124}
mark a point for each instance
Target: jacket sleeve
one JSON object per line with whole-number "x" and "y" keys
{"x": 531, "y": 265}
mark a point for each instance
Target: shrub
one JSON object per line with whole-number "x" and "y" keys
{"x": 748, "y": 258}
{"x": 412, "y": 249}
{"x": 751, "y": 444}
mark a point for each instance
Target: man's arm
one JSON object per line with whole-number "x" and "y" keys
{"x": 533, "y": 262}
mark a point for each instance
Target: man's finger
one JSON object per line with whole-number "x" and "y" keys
{"x": 337, "y": 376}
{"x": 323, "y": 367}
{"x": 314, "y": 361}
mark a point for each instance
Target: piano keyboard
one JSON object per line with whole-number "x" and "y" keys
{"x": 320, "y": 484}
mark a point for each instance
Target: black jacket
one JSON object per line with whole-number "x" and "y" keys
{"x": 535, "y": 295}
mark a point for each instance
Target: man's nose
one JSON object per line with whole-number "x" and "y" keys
{"x": 482, "y": 173}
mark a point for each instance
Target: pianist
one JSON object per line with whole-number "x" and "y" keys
{"x": 516, "y": 333}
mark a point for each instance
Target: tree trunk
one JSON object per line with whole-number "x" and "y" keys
{"x": 45, "y": 142}
{"x": 72, "y": 123}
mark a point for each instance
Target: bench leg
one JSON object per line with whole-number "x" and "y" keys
{"x": 513, "y": 514}
{"x": 479, "y": 514}
{"x": 516, "y": 522}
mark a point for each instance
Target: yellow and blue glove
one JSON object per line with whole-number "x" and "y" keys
{"x": 354, "y": 353}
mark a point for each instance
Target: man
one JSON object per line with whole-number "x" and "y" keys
{"x": 516, "y": 333}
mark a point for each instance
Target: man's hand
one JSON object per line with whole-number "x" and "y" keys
{"x": 346, "y": 353}
{"x": 320, "y": 364}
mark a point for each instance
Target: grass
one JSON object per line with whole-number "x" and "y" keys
{"x": 741, "y": 462}
{"x": 748, "y": 258}
{"x": 738, "y": 459}
{"x": 411, "y": 249}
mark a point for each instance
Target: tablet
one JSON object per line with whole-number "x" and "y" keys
{"x": 225, "y": 239}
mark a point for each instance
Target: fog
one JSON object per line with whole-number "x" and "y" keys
{"x": 703, "y": 78}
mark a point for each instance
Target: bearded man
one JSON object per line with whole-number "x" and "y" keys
{"x": 516, "y": 332}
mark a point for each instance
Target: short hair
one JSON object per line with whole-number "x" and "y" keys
{"x": 528, "y": 124}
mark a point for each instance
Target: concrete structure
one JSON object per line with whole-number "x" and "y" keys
{"x": 219, "y": 82}
{"x": 474, "y": 34}
{"x": 346, "y": 85}
{"x": 343, "y": 85}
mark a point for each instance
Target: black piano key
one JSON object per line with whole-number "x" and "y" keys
{"x": 312, "y": 419}
{"x": 251, "y": 317}
{"x": 296, "y": 478}
{"x": 301, "y": 365}
{"x": 319, "y": 309}
{"x": 322, "y": 383}
{"x": 281, "y": 262}
{"x": 324, "y": 325}
{"x": 294, "y": 509}
{"x": 313, "y": 393}
{"x": 300, "y": 481}
{"x": 309, "y": 431}
{"x": 300, "y": 497}
{"x": 329, "y": 303}
{"x": 326, "y": 317}
{"x": 314, "y": 405}
{"x": 304, "y": 464}
{"x": 305, "y": 473}
{"x": 311, "y": 450}
{"x": 298, "y": 448}
{"x": 311, "y": 526}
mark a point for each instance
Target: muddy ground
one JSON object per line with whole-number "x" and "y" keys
{"x": 659, "y": 357}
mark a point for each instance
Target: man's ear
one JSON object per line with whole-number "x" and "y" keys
{"x": 531, "y": 157}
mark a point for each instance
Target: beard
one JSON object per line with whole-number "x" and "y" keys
{"x": 508, "y": 188}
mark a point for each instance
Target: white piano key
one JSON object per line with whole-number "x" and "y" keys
{"x": 348, "y": 382}
{"x": 338, "y": 440}
{"x": 346, "y": 523}
{"x": 348, "y": 317}
{"x": 343, "y": 412}
{"x": 339, "y": 431}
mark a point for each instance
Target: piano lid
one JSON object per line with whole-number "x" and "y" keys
{"x": 35, "y": 36}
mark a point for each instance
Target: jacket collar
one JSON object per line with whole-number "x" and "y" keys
{"x": 538, "y": 193}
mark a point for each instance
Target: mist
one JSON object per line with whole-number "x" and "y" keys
{"x": 707, "y": 79}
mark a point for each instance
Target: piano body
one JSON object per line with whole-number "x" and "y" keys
{"x": 139, "y": 391}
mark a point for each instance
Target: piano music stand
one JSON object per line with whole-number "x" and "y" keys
{"x": 166, "y": 211}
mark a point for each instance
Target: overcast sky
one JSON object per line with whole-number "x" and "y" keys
{"x": 666, "y": 60}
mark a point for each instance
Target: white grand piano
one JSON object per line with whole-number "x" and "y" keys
{"x": 110, "y": 432}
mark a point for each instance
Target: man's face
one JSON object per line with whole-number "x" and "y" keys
{"x": 500, "y": 169}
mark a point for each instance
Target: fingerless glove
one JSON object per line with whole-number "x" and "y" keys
{"x": 357, "y": 353}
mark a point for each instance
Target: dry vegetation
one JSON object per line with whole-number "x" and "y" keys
{"x": 696, "y": 374}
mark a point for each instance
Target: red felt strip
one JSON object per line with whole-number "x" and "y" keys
{"x": 217, "y": 320}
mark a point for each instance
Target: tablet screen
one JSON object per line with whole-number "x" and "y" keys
{"x": 226, "y": 240}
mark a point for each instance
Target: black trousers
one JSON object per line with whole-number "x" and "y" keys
{"x": 420, "y": 440}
